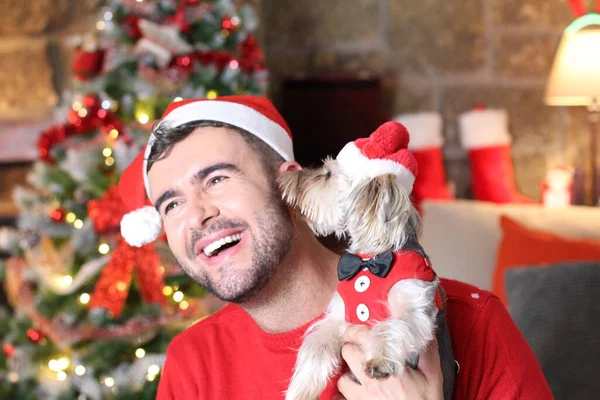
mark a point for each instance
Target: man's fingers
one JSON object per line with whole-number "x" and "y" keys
{"x": 429, "y": 362}
{"x": 346, "y": 385}
{"x": 357, "y": 334}
{"x": 354, "y": 357}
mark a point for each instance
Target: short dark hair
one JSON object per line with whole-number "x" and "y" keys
{"x": 166, "y": 137}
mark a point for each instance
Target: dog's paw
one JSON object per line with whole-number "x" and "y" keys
{"x": 380, "y": 369}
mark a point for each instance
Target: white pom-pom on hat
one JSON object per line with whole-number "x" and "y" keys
{"x": 141, "y": 226}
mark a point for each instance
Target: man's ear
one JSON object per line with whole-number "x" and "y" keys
{"x": 290, "y": 166}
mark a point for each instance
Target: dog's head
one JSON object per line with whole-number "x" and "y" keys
{"x": 364, "y": 193}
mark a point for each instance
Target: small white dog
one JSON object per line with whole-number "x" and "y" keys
{"x": 386, "y": 280}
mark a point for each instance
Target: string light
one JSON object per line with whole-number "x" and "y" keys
{"x": 121, "y": 286}
{"x": 235, "y": 20}
{"x": 176, "y": 286}
{"x": 82, "y": 112}
{"x": 59, "y": 365}
{"x": 161, "y": 269}
{"x": 53, "y": 365}
{"x": 107, "y": 152}
{"x": 178, "y": 296}
{"x": 108, "y": 15}
{"x": 80, "y": 370}
{"x": 78, "y": 224}
{"x": 84, "y": 298}
{"x": 211, "y": 94}
{"x": 109, "y": 161}
{"x": 103, "y": 248}
{"x": 61, "y": 376}
{"x": 167, "y": 290}
{"x": 176, "y": 99}
{"x": 143, "y": 118}
{"x": 233, "y": 64}
{"x": 100, "y": 25}
{"x": 224, "y": 33}
{"x": 184, "y": 305}
{"x": 76, "y": 106}
{"x": 65, "y": 280}
{"x": 110, "y": 382}
{"x": 153, "y": 370}
{"x": 113, "y": 134}
{"x": 71, "y": 217}
{"x": 13, "y": 376}
{"x": 106, "y": 104}
{"x": 140, "y": 353}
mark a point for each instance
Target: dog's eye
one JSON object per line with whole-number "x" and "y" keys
{"x": 328, "y": 174}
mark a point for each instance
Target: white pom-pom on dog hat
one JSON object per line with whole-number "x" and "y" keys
{"x": 385, "y": 151}
{"x": 256, "y": 115}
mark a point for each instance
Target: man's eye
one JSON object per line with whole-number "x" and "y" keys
{"x": 215, "y": 180}
{"x": 170, "y": 206}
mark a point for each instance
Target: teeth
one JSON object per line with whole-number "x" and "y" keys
{"x": 211, "y": 248}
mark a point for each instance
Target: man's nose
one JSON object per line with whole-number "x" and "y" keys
{"x": 201, "y": 212}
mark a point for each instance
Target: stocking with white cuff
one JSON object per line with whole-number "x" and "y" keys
{"x": 484, "y": 134}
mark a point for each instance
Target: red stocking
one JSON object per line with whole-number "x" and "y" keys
{"x": 426, "y": 140}
{"x": 484, "y": 133}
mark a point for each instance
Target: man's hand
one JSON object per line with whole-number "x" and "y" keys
{"x": 424, "y": 383}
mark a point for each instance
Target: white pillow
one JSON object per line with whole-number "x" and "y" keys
{"x": 462, "y": 236}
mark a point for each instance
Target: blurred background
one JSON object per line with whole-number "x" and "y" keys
{"x": 82, "y": 81}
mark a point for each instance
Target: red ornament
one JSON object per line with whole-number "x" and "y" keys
{"x": 226, "y": 23}
{"x": 113, "y": 285}
{"x": 106, "y": 213}
{"x": 185, "y": 63}
{"x": 9, "y": 349}
{"x": 132, "y": 27}
{"x": 57, "y": 215}
{"x": 86, "y": 65}
{"x": 34, "y": 335}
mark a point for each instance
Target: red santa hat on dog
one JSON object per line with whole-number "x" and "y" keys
{"x": 384, "y": 152}
{"x": 256, "y": 115}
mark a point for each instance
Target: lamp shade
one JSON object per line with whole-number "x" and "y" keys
{"x": 575, "y": 76}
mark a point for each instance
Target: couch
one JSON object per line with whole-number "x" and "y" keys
{"x": 553, "y": 304}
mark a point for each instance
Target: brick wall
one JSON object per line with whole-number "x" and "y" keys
{"x": 446, "y": 56}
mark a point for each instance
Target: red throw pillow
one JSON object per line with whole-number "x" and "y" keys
{"x": 525, "y": 247}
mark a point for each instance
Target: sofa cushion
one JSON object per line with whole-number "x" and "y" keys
{"x": 556, "y": 309}
{"x": 462, "y": 236}
{"x": 524, "y": 246}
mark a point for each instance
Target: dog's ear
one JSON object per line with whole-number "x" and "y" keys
{"x": 381, "y": 199}
{"x": 289, "y": 183}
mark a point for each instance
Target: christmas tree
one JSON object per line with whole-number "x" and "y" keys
{"x": 91, "y": 316}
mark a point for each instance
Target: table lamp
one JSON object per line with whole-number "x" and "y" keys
{"x": 575, "y": 79}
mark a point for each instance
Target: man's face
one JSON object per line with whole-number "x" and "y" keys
{"x": 223, "y": 217}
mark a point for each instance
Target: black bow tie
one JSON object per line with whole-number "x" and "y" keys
{"x": 350, "y": 264}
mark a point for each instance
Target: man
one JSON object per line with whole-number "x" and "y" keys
{"x": 210, "y": 170}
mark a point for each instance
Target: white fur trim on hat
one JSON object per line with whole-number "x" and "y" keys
{"x": 357, "y": 166}
{"x": 141, "y": 226}
{"x": 231, "y": 113}
{"x": 484, "y": 128}
{"x": 425, "y": 129}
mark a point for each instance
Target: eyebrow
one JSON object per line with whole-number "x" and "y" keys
{"x": 198, "y": 177}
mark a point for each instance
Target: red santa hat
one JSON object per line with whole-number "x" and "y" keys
{"x": 256, "y": 115}
{"x": 384, "y": 152}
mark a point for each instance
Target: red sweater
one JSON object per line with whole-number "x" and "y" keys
{"x": 227, "y": 356}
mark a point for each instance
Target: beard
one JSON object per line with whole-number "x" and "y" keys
{"x": 271, "y": 242}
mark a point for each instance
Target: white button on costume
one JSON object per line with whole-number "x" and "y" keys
{"x": 362, "y": 312}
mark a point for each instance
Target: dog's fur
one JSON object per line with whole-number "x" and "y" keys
{"x": 375, "y": 215}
